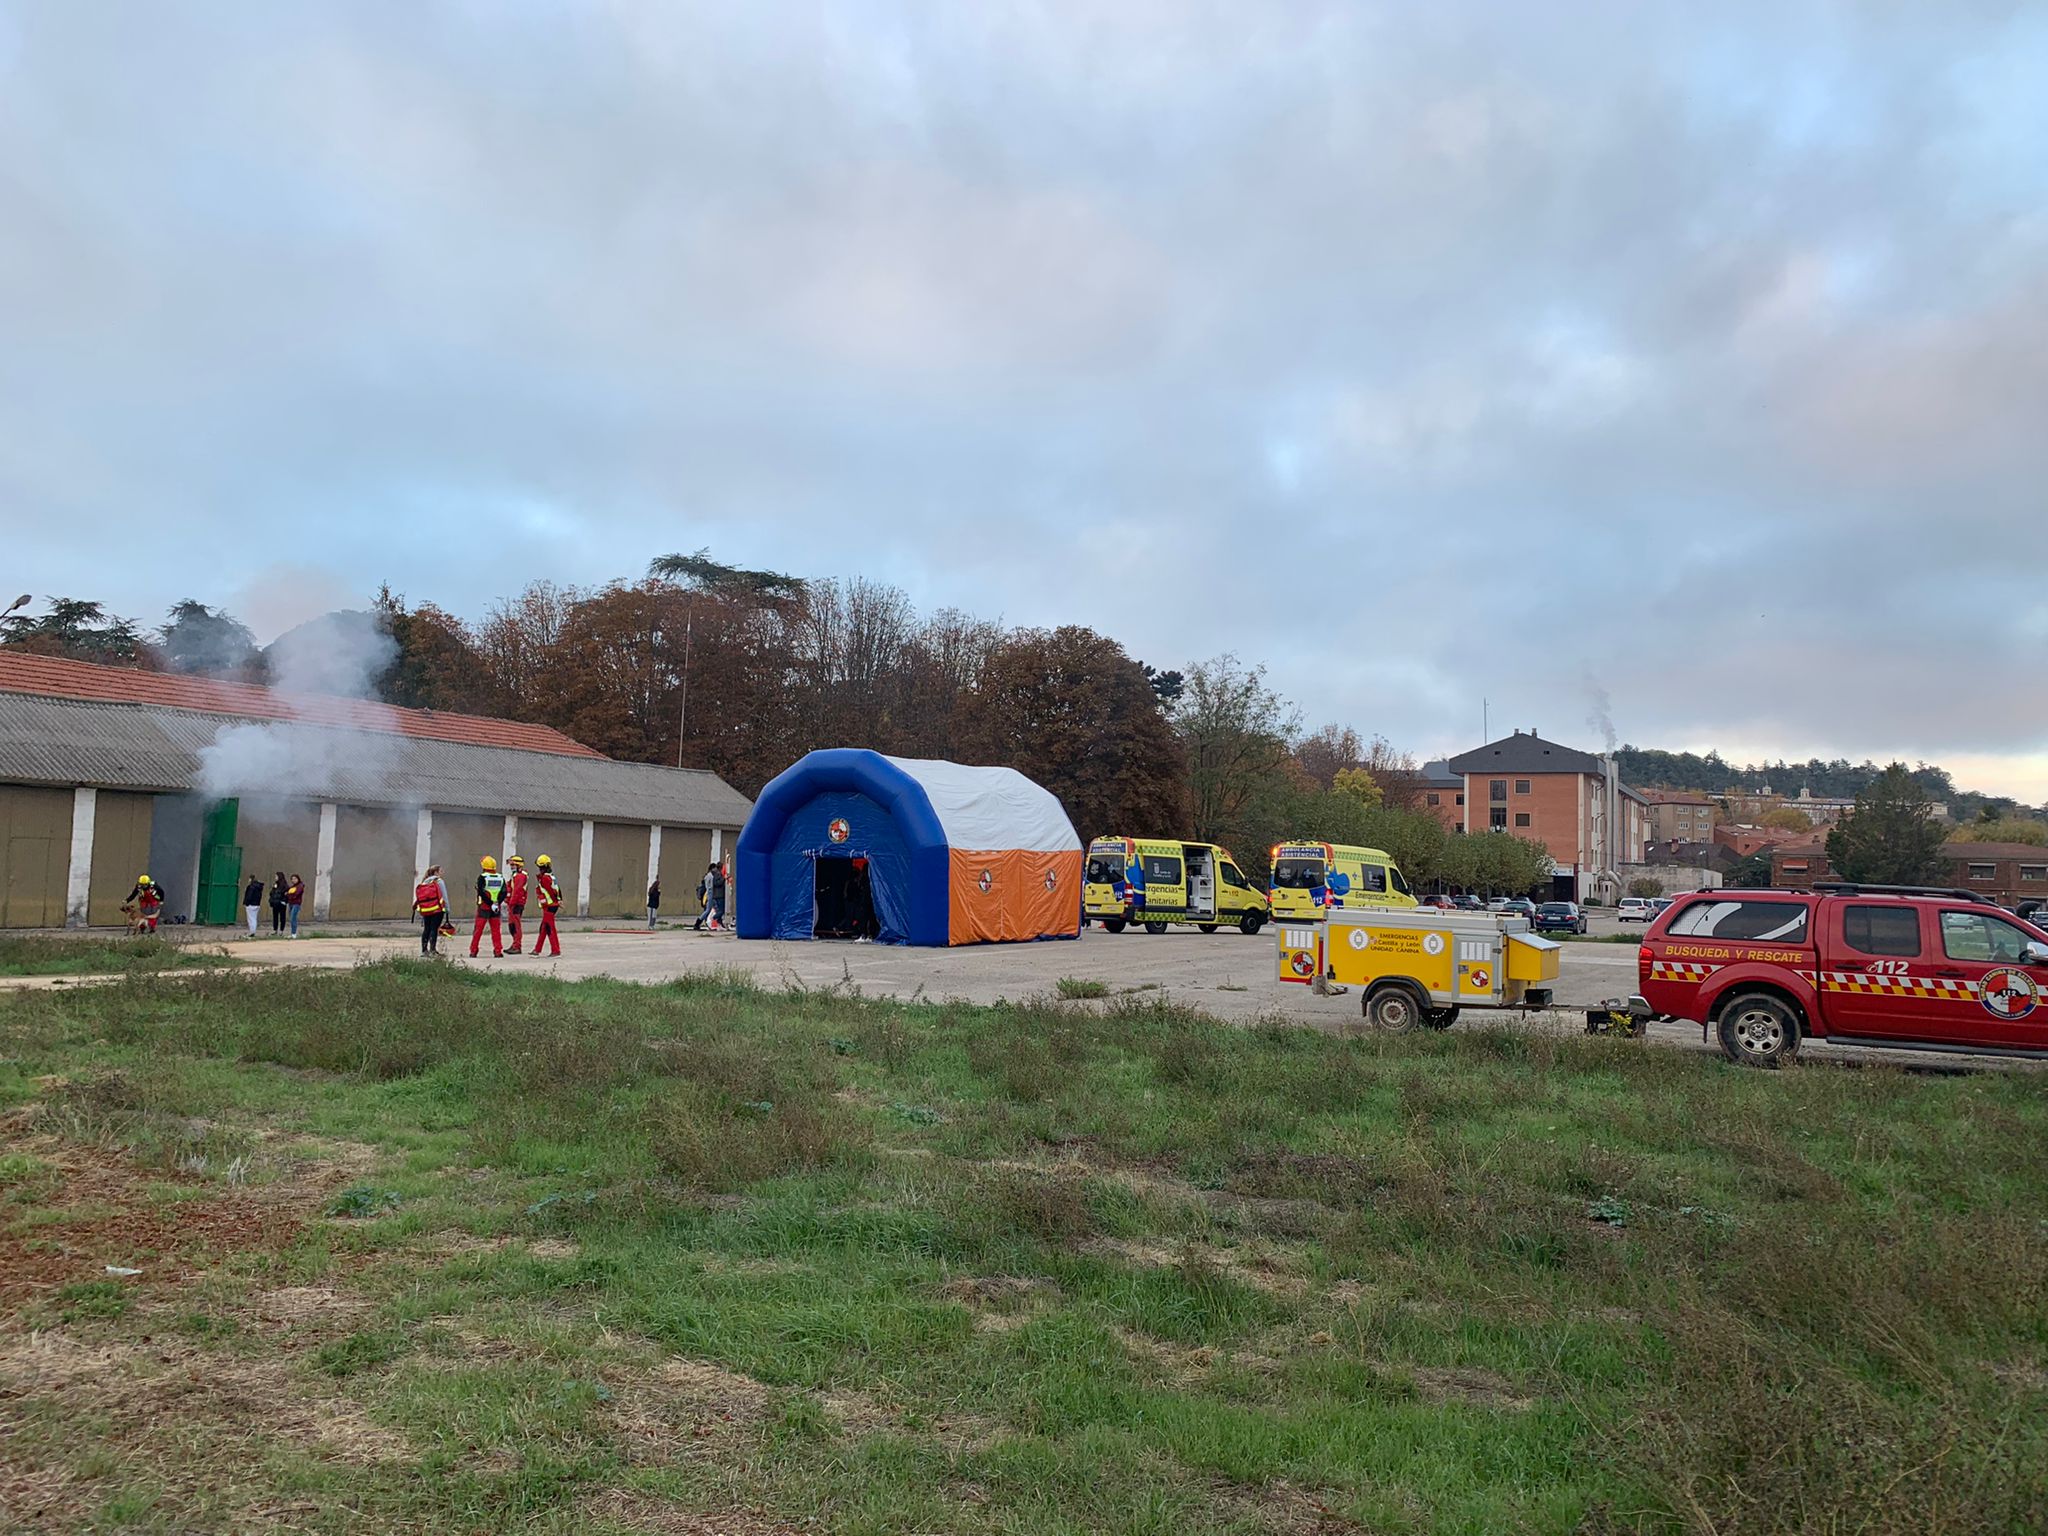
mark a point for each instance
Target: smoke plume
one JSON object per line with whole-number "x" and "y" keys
{"x": 1600, "y": 717}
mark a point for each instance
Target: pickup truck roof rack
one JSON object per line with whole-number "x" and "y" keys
{"x": 1858, "y": 888}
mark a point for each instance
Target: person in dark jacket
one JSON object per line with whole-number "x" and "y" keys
{"x": 294, "y": 898}
{"x": 717, "y": 896}
{"x": 252, "y": 902}
{"x": 277, "y": 902}
{"x": 653, "y": 900}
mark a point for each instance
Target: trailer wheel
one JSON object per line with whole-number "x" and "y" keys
{"x": 1394, "y": 1005}
{"x": 1443, "y": 1018}
{"x": 1155, "y": 927}
{"x": 1251, "y": 923}
{"x": 1206, "y": 927}
{"x": 1758, "y": 1030}
{"x": 1113, "y": 924}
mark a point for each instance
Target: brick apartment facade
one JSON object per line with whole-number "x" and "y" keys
{"x": 1556, "y": 796}
{"x": 2009, "y": 873}
{"x": 1443, "y": 794}
{"x": 1680, "y": 815}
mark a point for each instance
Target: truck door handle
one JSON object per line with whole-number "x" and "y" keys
{"x": 1848, "y": 965}
{"x": 1947, "y": 970}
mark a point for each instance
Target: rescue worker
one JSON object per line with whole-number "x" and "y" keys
{"x": 550, "y": 895}
{"x": 430, "y": 903}
{"x": 490, "y": 895}
{"x": 515, "y": 899}
{"x": 146, "y": 899}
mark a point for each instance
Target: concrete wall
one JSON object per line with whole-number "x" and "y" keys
{"x": 35, "y": 856}
{"x": 121, "y": 828}
{"x": 278, "y": 834}
{"x": 684, "y": 853}
{"x": 618, "y": 870}
{"x": 1672, "y": 879}
{"x": 460, "y": 840}
{"x": 561, "y": 841}
{"x": 176, "y": 823}
{"x": 373, "y": 870}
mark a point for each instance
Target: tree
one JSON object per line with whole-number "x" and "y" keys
{"x": 80, "y": 631}
{"x": 1643, "y": 885}
{"x": 1068, "y": 708}
{"x": 1167, "y": 687}
{"x": 1328, "y": 752}
{"x": 207, "y": 642}
{"x": 700, "y": 573}
{"x": 1359, "y": 784}
{"x": 1891, "y": 837}
{"x": 1752, "y": 873}
{"x": 435, "y": 665}
{"x": 1786, "y": 819}
{"x": 1234, "y": 730}
{"x": 2009, "y": 829}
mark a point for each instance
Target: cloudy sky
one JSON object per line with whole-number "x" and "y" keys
{"x": 1693, "y": 358}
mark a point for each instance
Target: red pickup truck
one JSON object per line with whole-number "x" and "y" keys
{"x": 1909, "y": 967}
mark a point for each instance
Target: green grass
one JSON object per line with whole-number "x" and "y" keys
{"x": 1078, "y": 988}
{"x": 574, "y": 1256}
{"x": 98, "y": 954}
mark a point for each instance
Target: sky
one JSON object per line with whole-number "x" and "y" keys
{"x": 1679, "y": 367}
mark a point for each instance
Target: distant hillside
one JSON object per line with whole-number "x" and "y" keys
{"x": 1649, "y": 768}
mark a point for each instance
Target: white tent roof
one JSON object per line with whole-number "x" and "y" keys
{"x": 991, "y": 808}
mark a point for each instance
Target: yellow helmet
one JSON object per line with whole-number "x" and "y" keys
{"x": 142, "y": 880}
{"x": 490, "y": 863}
{"x": 545, "y": 862}
{"x": 515, "y": 859}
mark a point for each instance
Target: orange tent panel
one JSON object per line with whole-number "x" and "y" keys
{"x": 1009, "y": 894}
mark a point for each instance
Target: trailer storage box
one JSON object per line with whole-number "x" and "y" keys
{"x": 1456, "y": 959}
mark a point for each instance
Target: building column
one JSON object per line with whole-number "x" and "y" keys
{"x": 78, "y": 886}
{"x": 423, "y": 841}
{"x": 323, "y": 866}
{"x": 589, "y": 843}
{"x": 717, "y": 845}
{"x": 510, "y": 843}
{"x": 653, "y": 853}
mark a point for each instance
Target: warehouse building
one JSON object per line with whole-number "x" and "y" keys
{"x": 106, "y": 772}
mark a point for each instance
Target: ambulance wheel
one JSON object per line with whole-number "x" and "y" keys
{"x": 1394, "y": 1005}
{"x": 1758, "y": 1030}
{"x": 1113, "y": 924}
{"x": 1251, "y": 923}
{"x": 1206, "y": 927}
{"x": 1155, "y": 927}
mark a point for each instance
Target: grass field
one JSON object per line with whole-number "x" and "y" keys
{"x": 32, "y": 954}
{"x": 423, "y": 1249}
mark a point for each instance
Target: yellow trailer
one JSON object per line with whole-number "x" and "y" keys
{"x": 1420, "y": 967}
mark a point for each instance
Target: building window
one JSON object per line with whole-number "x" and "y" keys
{"x": 1521, "y": 818}
{"x": 1795, "y": 866}
{"x": 1521, "y": 786}
{"x": 1461, "y": 797}
{"x": 1497, "y": 789}
{"x": 1983, "y": 871}
{"x": 1497, "y": 818}
{"x": 1435, "y": 798}
{"x": 2034, "y": 871}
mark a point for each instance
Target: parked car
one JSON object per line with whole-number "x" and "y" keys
{"x": 1441, "y": 903}
{"x": 1633, "y": 909}
{"x": 1912, "y": 967}
{"x": 1559, "y": 917}
{"x": 1496, "y": 903}
{"x": 1658, "y": 904}
{"x": 1519, "y": 906}
{"x": 1468, "y": 903}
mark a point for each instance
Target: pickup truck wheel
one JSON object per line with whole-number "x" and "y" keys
{"x": 1251, "y": 923}
{"x": 1393, "y": 1005}
{"x": 1758, "y": 1030}
{"x": 1155, "y": 927}
{"x": 1113, "y": 924}
{"x": 1206, "y": 927}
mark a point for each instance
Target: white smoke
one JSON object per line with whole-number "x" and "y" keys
{"x": 336, "y": 656}
{"x": 1601, "y": 716}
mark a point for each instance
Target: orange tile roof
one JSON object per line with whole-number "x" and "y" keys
{"x": 54, "y": 677}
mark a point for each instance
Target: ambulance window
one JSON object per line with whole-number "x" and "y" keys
{"x": 1401, "y": 885}
{"x": 1105, "y": 869}
{"x": 1160, "y": 869}
{"x": 1371, "y": 878}
{"x": 1882, "y": 930}
{"x": 1980, "y": 936}
{"x": 1297, "y": 874}
{"x": 1776, "y": 922}
{"x": 1230, "y": 874}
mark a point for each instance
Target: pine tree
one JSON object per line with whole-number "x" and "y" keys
{"x": 1891, "y": 837}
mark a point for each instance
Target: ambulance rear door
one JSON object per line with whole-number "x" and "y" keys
{"x": 1164, "y": 868}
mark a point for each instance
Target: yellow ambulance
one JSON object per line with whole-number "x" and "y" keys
{"x": 1157, "y": 881}
{"x": 1310, "y": 879}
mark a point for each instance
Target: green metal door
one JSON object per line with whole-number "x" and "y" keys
{"x": 220, "y": 867}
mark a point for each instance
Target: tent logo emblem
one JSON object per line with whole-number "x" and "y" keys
{"x": 839, "y": 831}
{"x": 986, "y": 882}
{"x": 1052, "y": 879}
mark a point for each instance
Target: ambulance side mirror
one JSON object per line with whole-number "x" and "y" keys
{"x": 2036, "y": 952}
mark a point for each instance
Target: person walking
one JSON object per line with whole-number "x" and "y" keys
{"x": 430, "y": 904}
{"x": 717, "y": 897}
{"x": 252, "y": 902}
{"x": 294, "y": 897}
{"x": 490, "y": 893}
{"x": 703, "y": 898}
{"x": 277, "y": 902}
{"x": 653, "y": 900}
{"x": 549, "y": 895}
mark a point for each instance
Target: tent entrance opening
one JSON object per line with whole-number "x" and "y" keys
{"x": 844, "y": 900}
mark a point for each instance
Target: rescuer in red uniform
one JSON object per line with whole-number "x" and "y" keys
{"x": 490, "y": 894}
{"x": 515, "y": 899}
{"x": 550, "y": 895}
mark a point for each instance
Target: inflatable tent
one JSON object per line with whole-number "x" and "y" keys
{"x": 852, "y": 844}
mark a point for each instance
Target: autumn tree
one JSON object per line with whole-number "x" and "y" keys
{"x": 518, "y": 647}
{"x": 1786, "y": 819}
{"x": 80, "y": 631}
{"x": 1070, "y": 709}
{"x": 1234, "y": 731}
{"x": 2007, "y": 829}
{"x": 1359, "y": 785}
{"x": 1327, "y": 752}
{"x": 436, "y": 665}
{"x": 1891, "y": 837}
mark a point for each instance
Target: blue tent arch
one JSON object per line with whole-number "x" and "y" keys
{"x": 892, "y": 825}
